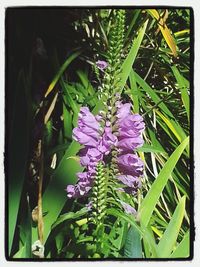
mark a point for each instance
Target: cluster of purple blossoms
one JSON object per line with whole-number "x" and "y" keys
{"x": 98, "y": 142}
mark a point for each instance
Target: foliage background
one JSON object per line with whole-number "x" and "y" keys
{"x": 57, "y": 48}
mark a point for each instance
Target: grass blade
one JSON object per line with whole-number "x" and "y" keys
{"x": 168, "y": 240}
{"x": 183, "y": 249}
{"x": 61, "y": 71}
{"x": 134, "y": 91}
{"x": 161, "y": 105}
{"x": 183, "y": 85}
{"x": 133, "y": 246}
{"x": 128, "y": 63}
{"x": 18, "y": 147}
{"x": 149, "y": 202}
{"x": 164, "y": 30}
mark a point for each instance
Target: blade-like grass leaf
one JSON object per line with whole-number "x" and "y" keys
{"x": 164, "y": 29}
{"x": 168, "y": 240}
{"x": 161, "y": 105}
{"x": 61, "y": 71}
{"x": 149, "y": 202}
{"x": 183, "y": 249}
{"x": 183, "y": 85}
{"x": 18, "y": 146}
{"x": 133, "y": 246}
{"x": 129, "y": 61}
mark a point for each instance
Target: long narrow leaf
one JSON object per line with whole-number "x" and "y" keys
{"x": 168, "y": 240}
{"x": 133, "y": 246}
{"x": 183, "y": 249}
{"x": 129, "y": 61}
{"x": 149, "y": 202}
{"x": 61, "y": 71}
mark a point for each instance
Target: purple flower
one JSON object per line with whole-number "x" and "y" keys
{"x": 83, "y": 138}
{"x": 130, "y": 181}
{"x": 130, "y": 164}
{"x": 128, "y": 209}
{"x": 85, "y": 182}
{"x": 108, "y": 140}
{"x": 87, "y": 118}
{"x": 101, "y": 64}
{"x": 90, "y": 156}
{"x": 87, "y": 132}
{"x": 70, "y": 191}
{"x": 129, "y": 144}
{"x": 123, "y": 110}
{"x": 133, "y": 122}
{"x": 130, "y": 128}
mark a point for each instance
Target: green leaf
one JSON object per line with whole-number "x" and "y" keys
{"x": 149, "y": 148}
{"x": 161, "y": 105}
{"x": 68, "y": 98}
{"x": 26, "y": 228}
{"x": 117, "y": 235}
{"x": 183, "y": 85}
{"x": 133, "y": 246}
{"x": 128, "y": 218}
{"x": 168, "y": 240}
{"x": 134, "y": 91}
{"x": 69, "y": 216}
{"x": 20, "y": 253}
{"x": 149, "y": 202}
{"x": 18, "y": 146}
{"x": 129, "y": 61}
{"x": 61, "y": 71}
{"x": 86, "y": 83}
{"x": 183, "y": 249}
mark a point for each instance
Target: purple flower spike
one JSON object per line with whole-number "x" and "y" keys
{"x": 98, "y": 143}
{"x": 101, "y": 64}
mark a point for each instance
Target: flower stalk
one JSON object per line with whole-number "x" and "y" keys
{"x": 109, "y": 140}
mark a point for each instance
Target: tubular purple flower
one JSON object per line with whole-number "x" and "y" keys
{"x": 130, "y": 164}
{"x": 90, "y": 156}
{"x": 83, "y": 138}
{"x": 101, "y": 64}
{"x": 129, "y": 144}
{"x": 88, "y": 119}
{"x": 108, "y": 140}
{"x": 87, "y": 132}
{"x": 134, "y": 122}
{"x": 123, "y": 110}
{"x": 71, "y": 191}
{"x": 130, "y": 127}
{"x": 130, "y": 181}
{"x": 85, "y": 182}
